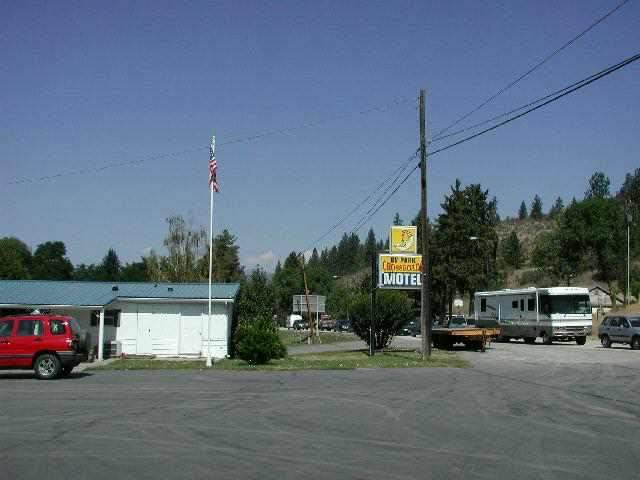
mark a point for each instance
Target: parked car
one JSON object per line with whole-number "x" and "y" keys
{"x": 460, "y": 321}
{"x": 327, "y": 324}
{"x": 411, "y": 327}
{"x": 51, "y": 345}
{"x": 620, "y": 328}
{"x": 343, "y": 326}
{"x": 300, "y": 325}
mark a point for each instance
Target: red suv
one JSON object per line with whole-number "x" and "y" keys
{"x": 50, "y": 344}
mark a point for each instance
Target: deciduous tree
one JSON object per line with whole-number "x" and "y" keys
{"x": 50, "y": 262}
{"x": 393, "y": 308}
{"x": 15, "y": 259}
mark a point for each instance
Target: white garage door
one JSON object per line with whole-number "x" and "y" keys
{"x": 159, "y": 329}
{"x": 191, "y": 329}
{"x": 166, "y": 329}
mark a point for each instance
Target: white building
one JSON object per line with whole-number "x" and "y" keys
{"x": 163, "y": 319}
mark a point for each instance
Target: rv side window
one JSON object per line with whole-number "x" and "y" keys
{"x": 483, "y": 305}
{"x": 514, "y": 304}
{"x": 531, "y": 304}
{"x": 522, "y": 304}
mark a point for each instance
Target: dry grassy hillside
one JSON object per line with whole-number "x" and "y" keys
{"x": 527, "y": 231}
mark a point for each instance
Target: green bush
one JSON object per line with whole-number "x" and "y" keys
{"x": 393, "y": 309}
{"x": 257, "y": 342}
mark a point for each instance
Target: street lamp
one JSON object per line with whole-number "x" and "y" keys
{"x": 474, "y": 238}
{"x": 629, "y": 220}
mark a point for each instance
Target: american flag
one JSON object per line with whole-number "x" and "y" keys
{"x": 213, "y": 167}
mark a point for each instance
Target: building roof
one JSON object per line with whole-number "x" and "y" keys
{"x": 47, "y": 292}
{"x": 605, "y": 295}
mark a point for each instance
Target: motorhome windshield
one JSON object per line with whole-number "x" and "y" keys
{"x": 565, "y": 304}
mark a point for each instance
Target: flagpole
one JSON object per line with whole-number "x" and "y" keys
{"x": 210, "y": 271}
{"x": 211, "y": 188}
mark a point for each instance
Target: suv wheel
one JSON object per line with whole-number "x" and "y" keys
{"x": 605, "y": 341}
{"x": 581, "y": 340}
{"x": 47, "y": 366}
{"x": 635, "y": 342}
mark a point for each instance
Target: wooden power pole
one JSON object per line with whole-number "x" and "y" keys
{"x": 425, "y": 306}
{"x": 306, "y": 297}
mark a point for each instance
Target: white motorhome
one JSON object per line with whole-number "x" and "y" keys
{"x": 561, "y": 313}
{"x": 292, "y": 318}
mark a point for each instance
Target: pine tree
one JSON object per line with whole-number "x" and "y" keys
{"x": 226, "y": 261}
{"x": 557, "y": 208}
{"x": 315, "y": 258}
{"x": 522, "y": 213}
{"x": 493, "y": 211}
{"x": 257, "y": 299}
{"x": 598, "y": 186}
{"x": 512, "y": 251}
{"x": 369, "y": 246}
{"x": 536, "y": 208}
{"x": 397, "y": 220}
{"x": 110, "y": 266}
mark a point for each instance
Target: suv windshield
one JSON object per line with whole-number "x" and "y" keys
{"x": 565, "y": 304}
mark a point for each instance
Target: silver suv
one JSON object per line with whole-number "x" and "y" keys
{"x": 620, "y": 328}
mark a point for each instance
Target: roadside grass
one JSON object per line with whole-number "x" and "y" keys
{"x": 309, "y": 361}
{"x": 299, "y": 337}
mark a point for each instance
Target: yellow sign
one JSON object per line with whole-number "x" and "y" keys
{"x": 400, "y": 271}
{"x": 404, "y": 239}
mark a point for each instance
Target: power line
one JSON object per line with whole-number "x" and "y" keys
{"x": 359, "y": 226}
{"x": 279, "y": 131}
{"x": 565, "y": 91}
{"x": 84, "y": 171}
{"x": 532, "y": 69}
{"x": 249, "y": 138}
{"x": 589, "y": 80}
{"x": 388, "y": 187}
{"x": 398, "y": 171}
{"x": 522, "y": 107}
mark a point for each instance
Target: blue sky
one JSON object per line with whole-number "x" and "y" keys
{"x": 86, "y": 85}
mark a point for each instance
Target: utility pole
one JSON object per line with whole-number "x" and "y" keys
{"x": 629, "y": 220}
{"x": 425, "y": 306}
{"x": 372, "y": 320}
{"x": 306, "y": 297}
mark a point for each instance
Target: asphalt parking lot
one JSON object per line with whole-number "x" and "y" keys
{"x": 522, "y": 411}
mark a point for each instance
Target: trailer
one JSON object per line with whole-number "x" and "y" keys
{"x": 472, "y": 337}
{"x": 553, "y": 313}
